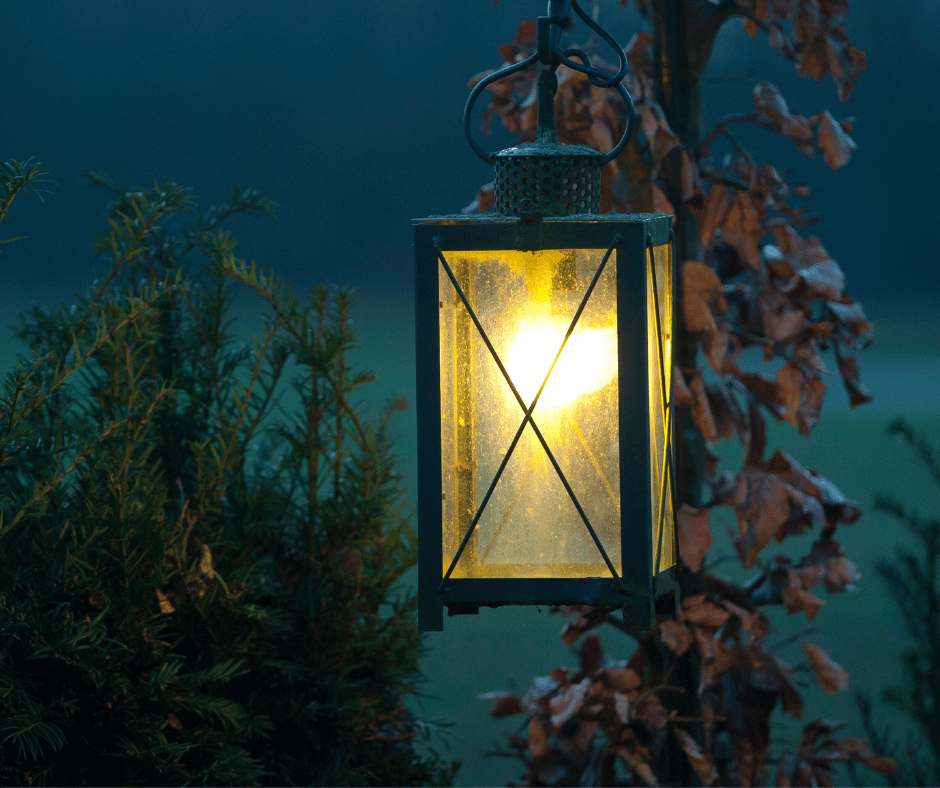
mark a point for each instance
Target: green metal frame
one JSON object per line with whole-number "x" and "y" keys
{"x": 637, "y": 587}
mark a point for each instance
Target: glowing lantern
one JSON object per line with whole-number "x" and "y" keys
{"x": 544, "y": 337}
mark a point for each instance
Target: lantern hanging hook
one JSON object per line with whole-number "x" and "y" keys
{"x": 548, "y": 53}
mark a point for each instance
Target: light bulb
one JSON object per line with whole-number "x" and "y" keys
{"x": 588, "y": 362}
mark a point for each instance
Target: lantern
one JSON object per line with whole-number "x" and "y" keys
{"x": 544, "y": 360}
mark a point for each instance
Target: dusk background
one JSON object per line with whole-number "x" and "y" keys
{"x": 350, "y": 115}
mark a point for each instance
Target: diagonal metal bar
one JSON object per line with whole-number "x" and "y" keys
{"x": 528, "y": 415}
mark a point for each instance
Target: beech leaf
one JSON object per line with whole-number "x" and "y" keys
{"x": 701, "y": 762}
{"x": 831, "y": 676}
{"x": 695, "y": 536}
{"x": 676, "y": 635}
{"x": 701, "y": 410}
{"x": 848, "y": 367}
{"x": 706, "y": 614}
{"x": 591, "y": 655}
{"x": 538, "y": 739}
{"x": 623, "y": 679}
{"x": 703, "y": 296}
{"x": 569, "y": 702}
{"x": 772, "y": 105}
{"x": 506, "y": 703}
{"x": 768, "y": 508}
{"x": 797, "y": 599}
{"x": 741, "y": 228}
{"x": 622, "y": 707}
{"x": 857, "y": 749}
{"x": 820, "y": 280}
{"x": 837, "y": 146}
{"x": 680, "y": 390}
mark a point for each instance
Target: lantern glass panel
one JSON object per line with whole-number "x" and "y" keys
{"x": 525, "y": 302}
{"x": 659, "y": 288}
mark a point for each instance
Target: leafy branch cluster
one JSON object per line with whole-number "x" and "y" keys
{"x": 755, "y": 292}
{"x": 197, "y": 582}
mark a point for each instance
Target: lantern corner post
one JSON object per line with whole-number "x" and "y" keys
{"x": 635, "y": 505}
{"x": 428, "y": 406}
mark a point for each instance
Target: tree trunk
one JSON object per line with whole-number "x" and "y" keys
{"x": 683, "y": 34}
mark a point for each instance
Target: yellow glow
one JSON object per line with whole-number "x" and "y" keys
{"x": 588, "y": 362}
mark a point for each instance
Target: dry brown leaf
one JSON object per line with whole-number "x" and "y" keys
{"x": 622, "y": 707}
{"x": 538, "y": 738}
{"x": 706, "y": 614}
{"x": 848, "y": 367}
{"x": 821, "y": 280}
{"x": 701, "y": 410}
{"x": 718, "y": 202}
{"x": 568, "y": 703}
{"x": 622, "y": 679}
{"x": 814, "y": 391}
{"x": 637, "y": 765}
{"x": 716, "y": 659}
{"x": 741, "y": 229}
{"x": 782, "y": 318}
{"x": 715, "y": 346}
{"x": 592, "y": 656}
{"x": 680, "y": 391}
{"x": 701, "y": 762}
{"x": 858, "y": 749}
{"x": 660, "y": 137}
{"x": 851, "y": 325}
{"x": 676, "y": 635}
{"x": 535, "y": 701}
{"x": 772, "y": 105}
{"x": 763, "y": 505}
{"x": 174, "y": 722}
{"x": 767, "y": 392}
{"x": 506, "y": 703}
{"x": 695, "y": 537}
{"x": 797, "y": 599}
{"x": 661, "y": 203}
{"x": 831, "y": 676}
{"x": 703, "y": 296}
{"x": 790, "y": 697}
{"x": 837, "y": 146}
{"x": 841, "y": 574}
{"x": 790, "y": 386}
{"x": 690, "y": 177}
{"x": 813, "y": 484}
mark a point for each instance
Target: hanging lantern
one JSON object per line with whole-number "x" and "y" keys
{"x": 544, "y": 361}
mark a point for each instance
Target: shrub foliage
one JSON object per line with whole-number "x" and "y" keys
{"x": 197, "y": 582}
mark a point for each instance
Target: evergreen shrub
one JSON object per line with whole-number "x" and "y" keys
{"x": 198, "y": 584}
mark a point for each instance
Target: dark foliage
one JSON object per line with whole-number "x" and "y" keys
{"x": 197, "y": 585}
{"x": 912, "y": 579}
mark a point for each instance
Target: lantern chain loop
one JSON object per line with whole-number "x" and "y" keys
{"x": 549, "y": 30}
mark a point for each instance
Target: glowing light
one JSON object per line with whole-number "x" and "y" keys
{"x": 588, "y": 362}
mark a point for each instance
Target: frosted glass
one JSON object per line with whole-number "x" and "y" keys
{"x": 525, "y": 302}
{"x": 664, "y": 545}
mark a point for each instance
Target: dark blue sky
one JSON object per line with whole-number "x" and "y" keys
{"x": 350, "y": 115}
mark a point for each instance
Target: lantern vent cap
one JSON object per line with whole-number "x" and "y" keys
{"x": 548, "y": 178}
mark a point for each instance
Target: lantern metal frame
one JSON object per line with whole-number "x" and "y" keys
{"x": 630, "y": 240}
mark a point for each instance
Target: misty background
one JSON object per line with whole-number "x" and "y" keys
{"x": 350, "y": 115}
